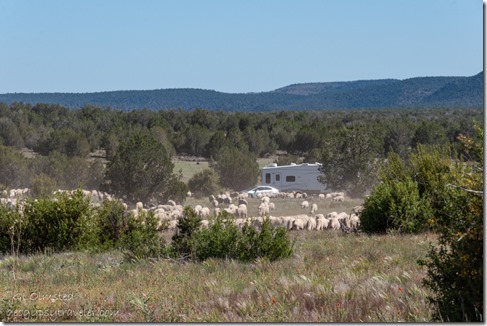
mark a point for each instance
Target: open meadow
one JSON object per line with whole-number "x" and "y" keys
{"x": 332, "y": 277}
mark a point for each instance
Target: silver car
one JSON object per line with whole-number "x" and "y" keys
{"x": 263, "y": 190}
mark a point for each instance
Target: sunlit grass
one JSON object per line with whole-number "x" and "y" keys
{"x": 189, "y": 168}
{"x": 330, "y": 278}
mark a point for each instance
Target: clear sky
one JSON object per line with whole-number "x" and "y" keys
{"x": 233, "y": 46}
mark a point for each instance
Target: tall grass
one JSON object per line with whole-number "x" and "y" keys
{"x": 330, "y": 278}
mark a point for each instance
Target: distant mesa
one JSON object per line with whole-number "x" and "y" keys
{"x": 420, "y": 92}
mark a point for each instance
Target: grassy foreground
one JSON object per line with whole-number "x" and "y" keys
{"x": 332, "y": 277}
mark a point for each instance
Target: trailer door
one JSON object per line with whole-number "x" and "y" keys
{"x": 277, "y": 180}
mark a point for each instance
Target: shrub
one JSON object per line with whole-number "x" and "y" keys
{"x": 444, "y": 190}
{"x": 224, "y": 240}
{"x": 113, "y": 223}
{"x": 395, "y": 205}
{"x": 409, "y": 193}
{"x": 203, "y": 183}
{"x": 142, "y": 171}
{"x": 237, "y": 168}
{"x": 142, "y": 239}
{"x": 269, "y": 242}
{"x": 62, "y": 223}
{"x": 187, "y": 225}
{"x": 455, "y": 265}
{"x": 220, "y": 240}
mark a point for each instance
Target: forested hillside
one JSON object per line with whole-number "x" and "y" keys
{"x": 421, "y": 92}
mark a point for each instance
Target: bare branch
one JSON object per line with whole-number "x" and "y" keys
{"x": 477, "y": 192}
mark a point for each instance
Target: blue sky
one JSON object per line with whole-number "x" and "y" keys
{"x": 233, "y": 46}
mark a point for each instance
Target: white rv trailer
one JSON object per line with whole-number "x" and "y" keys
{"x": 294, "y": 177}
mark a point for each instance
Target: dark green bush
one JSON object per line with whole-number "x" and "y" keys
{"x": 141, "y": 239}
{"x": 396, "y": 205}
{"x": 203, "y": 183}
{"x": 62, "y": 223}
{"x": 220, "y": 240}
{"x": 443, "y": 190}
{"x": 113, "y": 222}
{"x": 455, "y": 265}
{"x": 269, "y": 242}
{"x": 188, "y": 224}
{"x": 224, "y": 240}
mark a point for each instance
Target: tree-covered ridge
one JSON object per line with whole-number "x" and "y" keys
{"x": 421, "y": 92}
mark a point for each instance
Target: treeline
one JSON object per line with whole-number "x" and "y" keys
{"x": 64, "y": 138}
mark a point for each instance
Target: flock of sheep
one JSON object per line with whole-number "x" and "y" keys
{"x": 236, "y": 206}
{"x": 313, "y": 221}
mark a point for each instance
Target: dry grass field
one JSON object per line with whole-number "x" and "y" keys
{"x": 331, "y": 277}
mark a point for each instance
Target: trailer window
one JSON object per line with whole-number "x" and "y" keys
{"x": 290, "y": 178}
{"x": 267, "y": 178}
{"x": 278, "y": 177}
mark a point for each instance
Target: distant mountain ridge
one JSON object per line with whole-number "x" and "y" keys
{"x": 419, "y": 92}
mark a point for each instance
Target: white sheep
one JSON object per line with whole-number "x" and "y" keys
{"x": 354, "y": 220}
{"x": 172, "y": 224}
{"x": 232, "y": 210}
{"x": 342, "y": 215}
{"x": 321, "y": 196}
{"x": 205, "y": 212}
{"x": 272, "y": 206}
{"x": 242, "y": 211}
{"x": 238, "y": 222}
{"x": 243, "y": 195}
{"x": 265, "y": 200}
{"x": 257, "y": 222}
{"x": 314, "y": 208}
{"x": 198, "y": 208}
{"x": 305, "y": 204}
{"x": 322, "y": 222}
{"x": 162, "y": 216}
{"x": 298, "y": 224}
{"x": 205, "y": 224}
{"x": 243, "y": 201}
{"x": 338, "y": 199}
{"x": 357, "y": 209}
{"x": 334, "y": 224}
{"x": 311, "y": 224}
{"x": 263, "y": 209}
{"x": 331, "y": 215}
{"x": 176, "y": 214}
{"x": 275, "y": 221}
{"x": 139, "y": 206}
